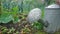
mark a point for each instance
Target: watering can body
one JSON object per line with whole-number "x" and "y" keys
{"x": 52, "y": 15}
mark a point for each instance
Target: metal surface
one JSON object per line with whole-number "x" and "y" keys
{"x": 52, "y": 15}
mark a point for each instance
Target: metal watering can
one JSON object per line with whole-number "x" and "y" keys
{"x": 52, "y": 15}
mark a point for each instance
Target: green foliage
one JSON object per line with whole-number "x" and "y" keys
{"x": 5, "y": 30}
{"x": 15, "y": 19}
{"x": 15, "y": 9}
{"x": 38, "y": 25}
{"x": 41, "y": 32}
{"x": 17, "y": 32}
{"x": 5, "y": 18}
{"x": 10, "y": 14}
{"x": 11, "y": 30}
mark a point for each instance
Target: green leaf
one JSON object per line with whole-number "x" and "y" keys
{"x": 15, "y": 20}
{"x": 38, "y": 25}
{"x": 5, "y": 18}
{"x": 15, "y": 8}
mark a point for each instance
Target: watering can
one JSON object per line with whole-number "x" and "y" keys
{"x": 52, "y": 15}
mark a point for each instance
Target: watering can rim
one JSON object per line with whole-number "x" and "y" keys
{"x": 53, "y": 6}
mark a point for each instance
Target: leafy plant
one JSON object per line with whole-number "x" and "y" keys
{"x": 11, "y": 31}
{"x": 5, "y": 18}
{"x": 4, "y": 30}
{"x": 17, "y": 32}
{"x": 37, "y": 25}
{"x": 8, "y": 15}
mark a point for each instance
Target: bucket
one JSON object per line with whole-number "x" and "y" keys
{"x": 52, "y": 15}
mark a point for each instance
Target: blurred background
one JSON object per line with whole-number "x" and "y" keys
{"x": 13, "y": 10}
